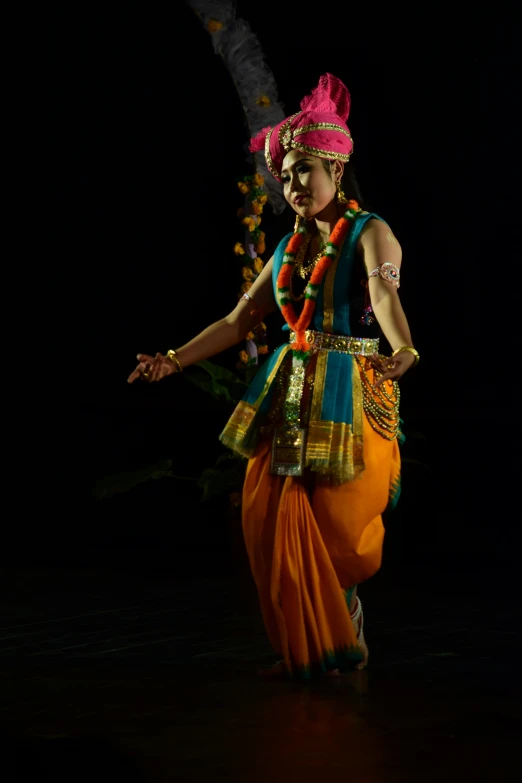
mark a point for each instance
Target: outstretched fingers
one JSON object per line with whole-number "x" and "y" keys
{"x": 142, "y": 370}
{"x": 156, "y": 371}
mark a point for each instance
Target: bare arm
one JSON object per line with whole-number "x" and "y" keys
{"x": 217, "y": 337}
{"x": 377, "y": 244}
{"x": 231, "y": 329}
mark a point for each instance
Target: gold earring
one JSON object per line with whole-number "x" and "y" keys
{"x": 341, "y": 197}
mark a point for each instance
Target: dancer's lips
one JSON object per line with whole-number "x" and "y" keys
{"x": 299, "y": 199}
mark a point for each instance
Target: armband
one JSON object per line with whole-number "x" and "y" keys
{"x": 388, "y": 272}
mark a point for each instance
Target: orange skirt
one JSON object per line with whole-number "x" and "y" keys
{"x": 309, "y": 543}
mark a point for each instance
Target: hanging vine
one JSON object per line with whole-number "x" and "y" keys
{"x": 249, "y": 252}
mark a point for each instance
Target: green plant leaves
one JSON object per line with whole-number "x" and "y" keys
{"x": 218, "y": 381}
{"x": 225, "y": 477}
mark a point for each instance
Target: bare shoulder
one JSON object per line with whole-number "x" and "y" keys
{"x": 377, "y": 244}
{"x": 377, "y": 230}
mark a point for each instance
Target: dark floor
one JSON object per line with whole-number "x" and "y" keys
{"x": 130, "y": 673}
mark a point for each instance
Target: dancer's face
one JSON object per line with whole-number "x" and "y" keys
{"x": 308, "y": 186}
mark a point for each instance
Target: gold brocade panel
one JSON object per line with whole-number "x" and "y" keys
{"x": 234, "y": 436}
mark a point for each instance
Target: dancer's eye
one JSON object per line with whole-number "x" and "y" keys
{"x": 303, "y": 168}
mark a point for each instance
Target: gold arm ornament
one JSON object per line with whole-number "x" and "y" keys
{"x": 411, "y": 350}
{"x": 173, "y": 357}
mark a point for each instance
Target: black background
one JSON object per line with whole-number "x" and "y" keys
{"x": 146, "y": 140}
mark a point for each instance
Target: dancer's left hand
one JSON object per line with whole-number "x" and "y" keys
{"x": 391, "y": 368}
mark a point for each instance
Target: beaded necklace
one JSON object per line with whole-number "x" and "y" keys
{"x": 330, "y": 252}
{"x": 302, "y": 269}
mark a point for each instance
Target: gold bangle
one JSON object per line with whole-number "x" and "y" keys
{"x": 411, "y": 350}
{"x": 172, "y": 356}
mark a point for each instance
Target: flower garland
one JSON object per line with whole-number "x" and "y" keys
{"x": 255, "y": 199}
{"x": 299, "y": 325}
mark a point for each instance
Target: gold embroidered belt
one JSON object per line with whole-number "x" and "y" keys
{"x": 320, "y": 341}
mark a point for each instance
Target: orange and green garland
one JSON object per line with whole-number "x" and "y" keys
{"x": 332, "y": 248}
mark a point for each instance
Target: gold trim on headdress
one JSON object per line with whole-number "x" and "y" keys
{"x": 285, "y": 134}
{"x": 287, "y": 139}
{"x": 328, "y": 154}
{"x": 321, "y": 126}
{"x": 268, "y": 157}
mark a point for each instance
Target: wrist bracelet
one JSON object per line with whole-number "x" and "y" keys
{"x": 411, "y": 350}
{"x": 172, "y": 356}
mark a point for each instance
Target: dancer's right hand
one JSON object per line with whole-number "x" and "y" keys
{"x": 152, "y": 368}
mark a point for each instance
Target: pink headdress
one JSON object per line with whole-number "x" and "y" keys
{"x": 318, "y": 129}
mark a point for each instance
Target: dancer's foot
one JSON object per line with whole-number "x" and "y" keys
{"x": 364, "y": 649}
{"x": 358, "y": 623}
